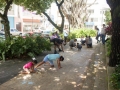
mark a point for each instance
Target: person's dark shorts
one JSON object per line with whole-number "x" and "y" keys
{"x": 57, "y": 40}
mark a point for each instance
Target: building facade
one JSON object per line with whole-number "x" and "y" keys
{"x": 22, "y": 19}
{"x": 96, "y": 14}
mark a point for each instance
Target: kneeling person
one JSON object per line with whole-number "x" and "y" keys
{"x": 50, "y": 58}
{"x": 72, "y": 43}
{"x": 79, "y": 46}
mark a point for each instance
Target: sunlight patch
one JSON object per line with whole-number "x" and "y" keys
{"x": 28, "y": 76}
{"x": 56, "y": 79}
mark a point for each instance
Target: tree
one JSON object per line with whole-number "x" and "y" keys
{"x": 76, "y": 11}
{"x": 115, "y": 40}
{"x": 107, "y": 16}
{"x": 38, "y": 7}
{"x": 4, "y": 7}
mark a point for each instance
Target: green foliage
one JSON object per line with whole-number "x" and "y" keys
{"x": 18, "y": 47}
{"x": 81, "y": 32}
{"x": 35, "y": 5}
{"x": 108, "y": 45}
{"x": 115, "y": 78}
{"x": 107, "y": 16}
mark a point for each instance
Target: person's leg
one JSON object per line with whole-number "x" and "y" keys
{"x": 26, "y": 71}
{"x": 42, "y": 62}
{"x": 62, "y": 47}
{"x": 65, "y": 40}
{"x": 39, "y": 64}
{"x": 103, "y": 38}
{"x": 55, "y": 49}
{"x": 97, "y": 38}
{"x": 51, "y": 63}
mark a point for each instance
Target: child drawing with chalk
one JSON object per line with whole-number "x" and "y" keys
{"x": 29, "y": 67}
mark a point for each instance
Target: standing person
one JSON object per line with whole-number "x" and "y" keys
{"x": 72, "y": 43}
{"x": 65, "y": 33}
{"x": 29, "y": 67}
{"x": 56, "y": 33}
{"x": 53, "y": 36}
{"x": 98, "y": 33}
{"x": 57, "y": 43}
{"x": 103, "y": 33}
{"x": 50, "y": 58}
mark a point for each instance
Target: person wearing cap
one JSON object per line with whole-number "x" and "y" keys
{"x": 50, "y": 58}
{"x": 29, "y": 67}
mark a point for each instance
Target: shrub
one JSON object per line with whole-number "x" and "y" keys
{"x": 115, "y": 78}
{"x": 18, "y": 47}
{"x": 77, "y": 33}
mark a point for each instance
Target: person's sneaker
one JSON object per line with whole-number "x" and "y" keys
{"x": 60, "y": 50}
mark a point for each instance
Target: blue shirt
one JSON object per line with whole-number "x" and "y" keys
{"x": 53, "y": 57}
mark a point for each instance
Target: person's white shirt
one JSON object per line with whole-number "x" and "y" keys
{"x": 65, "y": 33}
{"x": 103, "y": 30}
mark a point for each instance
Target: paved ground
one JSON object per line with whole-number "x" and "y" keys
{"x": 69, "y": 77}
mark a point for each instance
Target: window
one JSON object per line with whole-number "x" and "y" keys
{"x": 91, "y": 19}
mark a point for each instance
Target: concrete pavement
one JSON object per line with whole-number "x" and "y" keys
{"x": 69, "y": 77}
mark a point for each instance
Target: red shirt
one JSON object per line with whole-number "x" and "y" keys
{"x": 28, "y": 65}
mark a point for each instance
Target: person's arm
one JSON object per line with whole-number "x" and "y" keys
{"x": 32, "y": 69}
{"x": 59, "y": 64}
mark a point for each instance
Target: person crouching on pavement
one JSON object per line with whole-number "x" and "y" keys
{"x": 79, "y": 46}
{"x": 29, "y": 67}
{"x": 50, "y": 58}
{"x": 72, "y": 43}
{"x": 89, "y": 42}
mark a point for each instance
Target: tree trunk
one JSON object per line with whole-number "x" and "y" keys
{"x": 115, "y": 41}
{"x": 5, "y": 22}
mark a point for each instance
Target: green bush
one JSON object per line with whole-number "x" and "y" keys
{"x": 18, "y": 47}
{"x": 77, "y": 33}
{"x": 115, "y": 78}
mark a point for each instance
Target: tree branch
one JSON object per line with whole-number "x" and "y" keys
{"x": 49, "y": 19}
{"x": 61, "y": 2}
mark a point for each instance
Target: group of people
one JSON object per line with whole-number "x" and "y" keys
{"x": 87, "y": 41}
{"x": 33, "y": 64}
{"x": 58, "y": 43}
